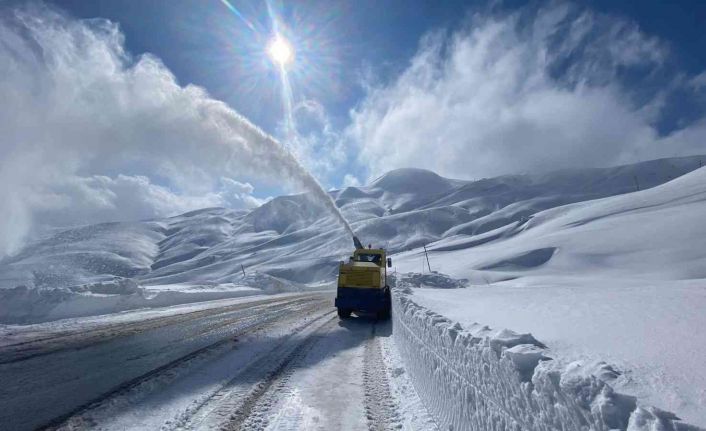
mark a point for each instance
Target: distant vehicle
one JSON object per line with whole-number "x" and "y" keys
{"x": 362, "y": 283}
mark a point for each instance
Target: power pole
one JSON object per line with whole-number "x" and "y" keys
{"x": 427, "y": 255}
{"x": 243, "y": 269}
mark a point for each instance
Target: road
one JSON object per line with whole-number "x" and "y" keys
{"x": 283, "y": 362}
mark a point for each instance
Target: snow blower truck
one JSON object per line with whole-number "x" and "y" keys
{"x": 362, "y": 283}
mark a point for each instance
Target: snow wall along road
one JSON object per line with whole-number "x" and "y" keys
{"x": 478, "y": 379}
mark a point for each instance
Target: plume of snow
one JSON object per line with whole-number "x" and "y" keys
{"x": 76, "y": 106}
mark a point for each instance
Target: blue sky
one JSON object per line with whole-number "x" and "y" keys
{"x": 204, "y": 43}
{"x": 116, "y": 102}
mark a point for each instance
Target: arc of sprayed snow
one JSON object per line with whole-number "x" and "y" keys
{"x": 270, "y": 154}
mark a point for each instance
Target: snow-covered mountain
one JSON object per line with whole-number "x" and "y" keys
{"x": 289, "y": 241}
{"x": 605, "y": 267}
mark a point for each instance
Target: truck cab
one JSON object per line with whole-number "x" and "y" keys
{"x": 362, "y": 284}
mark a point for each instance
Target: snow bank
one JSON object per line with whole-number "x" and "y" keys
{"x": 23, "y": 305}
{"x": 434, "y": 280}
{"x": 481, "y": 379}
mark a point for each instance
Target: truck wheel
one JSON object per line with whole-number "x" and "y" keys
{"x": 344, "y": 313}
{"x": 385, "y": 314}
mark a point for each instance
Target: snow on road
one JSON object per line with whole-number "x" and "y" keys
{"x": 289, "y": 363}
{"x": 277, "y": 363}
{"x": 63, "y": 377}
{"x": 101, "y": 325}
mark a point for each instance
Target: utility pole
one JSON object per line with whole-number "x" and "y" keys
{"x": 427, "y": 255}
{"x": 243, "y": 269}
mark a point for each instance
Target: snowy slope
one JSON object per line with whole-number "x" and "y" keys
{"x": 620, "y": 279}
{"x": 288, "y": 241}
{"x": 608, "y": 279}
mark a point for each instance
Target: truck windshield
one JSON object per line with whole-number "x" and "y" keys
{"x": 369, "y": 257}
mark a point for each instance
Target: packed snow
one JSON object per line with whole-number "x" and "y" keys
{"x": 278, "y": 362}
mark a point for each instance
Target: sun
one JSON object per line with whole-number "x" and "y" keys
{"x": 280, "y": 51}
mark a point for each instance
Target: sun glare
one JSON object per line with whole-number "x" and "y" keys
{"x": 280, "y": 51}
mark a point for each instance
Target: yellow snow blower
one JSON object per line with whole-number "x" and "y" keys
{"x": 362, "y": 283}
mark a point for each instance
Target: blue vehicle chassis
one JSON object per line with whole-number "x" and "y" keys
{"x": 363, "y": 299}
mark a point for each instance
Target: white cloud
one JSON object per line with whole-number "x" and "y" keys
{"x": 699, "y": 81}
{"x": 511, "y": 95}
{"x": 87, "y": 131}
{"x": 234, "y": 194}
{"x": 318, "y": 145}
{"x": 84, "y": 200}
{"x": 350, "y": 181}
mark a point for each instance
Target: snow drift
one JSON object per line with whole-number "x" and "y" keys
{"x": 483, "y": 379}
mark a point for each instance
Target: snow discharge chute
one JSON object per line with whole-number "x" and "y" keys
{"x": 357, "y": 243}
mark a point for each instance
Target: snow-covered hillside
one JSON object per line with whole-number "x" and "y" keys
{"x": 620, "y": 279}
{"x": 604, "y": 267}
{"x": 289, "y": 243}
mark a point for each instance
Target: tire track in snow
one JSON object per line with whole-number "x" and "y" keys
{"x": 173, "y": 369}
{"x": 235, "y": 408}
{"x": 380, "y": 408}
